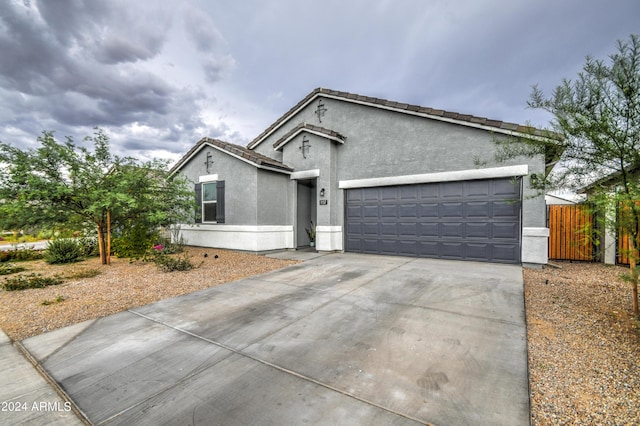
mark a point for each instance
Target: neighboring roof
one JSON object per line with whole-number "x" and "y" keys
{"x": 436, "y": 114}
{"x": 308, "y": 128}
{"x": 240, "y": 152}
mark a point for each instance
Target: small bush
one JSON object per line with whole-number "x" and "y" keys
{"x": 20, "y": 254}
{"x": 83, "y": 273}
{"x": 54, "y": 301}
{"x": 134, "y": 243}
{"x": 23, "y": 282}
{"x": 170, "y": 264}
{"x": 64, "y": 250}
{"x": 89, "y": 246}
{"x": 10, "y": 268}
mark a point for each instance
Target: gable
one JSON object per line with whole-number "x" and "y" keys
{"x": 466, "y": 120}
{"x": 235, "y": 151}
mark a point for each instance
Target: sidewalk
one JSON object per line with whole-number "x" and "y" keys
{"x": 25, "y": 396}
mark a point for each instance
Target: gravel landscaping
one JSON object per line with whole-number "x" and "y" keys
{"x": 119, "y": 286}
{"x": 584, "y": 345}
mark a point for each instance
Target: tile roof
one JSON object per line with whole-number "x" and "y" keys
{"x": 438, "y": 114}
{"x": 321, "y": 131}
{"x": 257, "y": 159}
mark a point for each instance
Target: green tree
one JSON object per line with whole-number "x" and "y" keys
{"x": 62, "y": 183}
{"x": 597, "y": 116}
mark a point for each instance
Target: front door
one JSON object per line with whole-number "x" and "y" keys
{"x": 305, "y": 211}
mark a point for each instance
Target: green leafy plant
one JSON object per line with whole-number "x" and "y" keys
{"x": 54, "y": 301}
{"x": 23, "y": 282}
{"x": 63, "y": 250}
{"x": 134, "y": 243}
{"x": 10, "y": 268}
{"x": 83, "y": 273}
{"x": 168, "y": 263}
{"x": 20, "y": 254}
{"x": 89, "y": 246}
{"x": 311, "y": 232}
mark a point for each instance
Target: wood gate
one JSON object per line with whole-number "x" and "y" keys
{"x": 570, "y": 232}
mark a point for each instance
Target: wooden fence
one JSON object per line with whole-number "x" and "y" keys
{"x": 570, "y": 232}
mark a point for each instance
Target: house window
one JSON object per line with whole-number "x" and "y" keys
{"x": 209, "y": 201}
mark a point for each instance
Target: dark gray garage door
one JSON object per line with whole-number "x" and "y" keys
{"x": 466, "y": 220}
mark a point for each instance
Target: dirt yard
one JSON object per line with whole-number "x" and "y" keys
{"x": 584, "y": 345}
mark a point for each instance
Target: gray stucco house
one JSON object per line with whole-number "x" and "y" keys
{"x": 373, "y": 176}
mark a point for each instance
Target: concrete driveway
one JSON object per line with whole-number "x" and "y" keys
{"x": 340, "y": 339}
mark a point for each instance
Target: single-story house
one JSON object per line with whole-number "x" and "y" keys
{"x": 370, "y": 176}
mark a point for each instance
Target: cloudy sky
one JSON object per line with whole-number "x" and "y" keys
{"x": 159, "y": 75}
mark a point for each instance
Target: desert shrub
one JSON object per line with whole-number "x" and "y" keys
{"x": 167, "y": 263}
{"x": 10, "y": 268}
{"x": 89, "y": 246}
{"x": 23, "y": 282}
{"x": 20, "y": 254}
{"x": 63, "y": 250}
{"x": 133, "y": 243}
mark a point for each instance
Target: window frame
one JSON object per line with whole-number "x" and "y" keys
{"x": 203, "y": 201}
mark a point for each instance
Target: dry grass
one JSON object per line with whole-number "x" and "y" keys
{"x": 117, "y": 287}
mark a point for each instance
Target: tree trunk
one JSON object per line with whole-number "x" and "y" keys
{"x": 108, "y": 237}
{"x": 101, "y": 245}
{"x": 633, "y": 272}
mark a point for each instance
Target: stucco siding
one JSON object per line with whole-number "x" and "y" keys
{"x": 273, "y": 198}
{"x": 240, "y": 183}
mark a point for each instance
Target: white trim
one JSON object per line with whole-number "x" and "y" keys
{"x": 473, "y": 174}
{"x": 208, "y": 178}
{"x": 239, "y": 237}
{"x": 329, "y": 238}
{"x": 305, "y": 174}
{"x": 535, "y": 232}
{"x": 535, "y": 245}
{"x": 313, "y": 132}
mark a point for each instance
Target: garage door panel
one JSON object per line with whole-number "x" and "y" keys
{"x": 408, "y": 210}
{"x": 505, "y": 253}
{"x": 454, "y": 229}
{"x": 451, "y": 190}
{"x": 370, "y": 229}
{"x": 478, "y": 230}
{"x": 479, "y": 251}
{"x": 370, "y": 194}
{"x": 408, "y": 248}
{"x": 506, "y": 230}
{"x": 354, "y": 195}
{"x": 354, "y": 211}
{"x": 388, "y": 211}
{"x": 428, "y": 229}
{"x": 506, "y": 209}
{"x": 477, "y": 188}
{"x": 407, "y": 229}
{"x": 478, "y": 209}
{"x": 370, "y": 211}
{"x": 388, "y": 193}
{"x": 506, "y": 188}
{"x": 451, "y": 210}
{"x": 354, "y": 228}
{"x": 409, "y": 193}
{"x": 430, "y": 210}
{"x": 470, "y": 220}
{"x": 388, "y": 229}
{"x": 428, "y": 248}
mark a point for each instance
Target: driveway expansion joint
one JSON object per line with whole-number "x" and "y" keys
{"x": 280, "y": 368}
